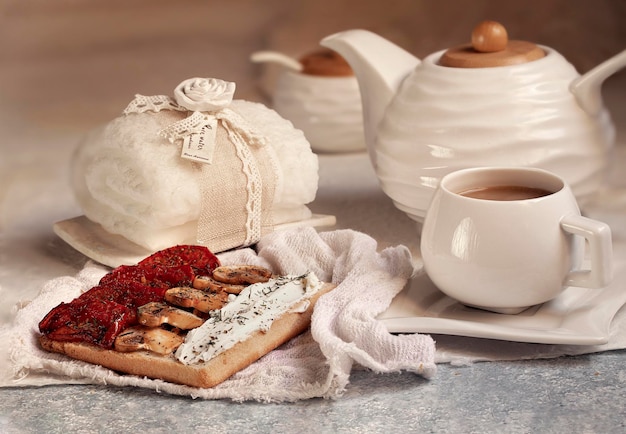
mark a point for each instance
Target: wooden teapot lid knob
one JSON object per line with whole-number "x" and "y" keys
{"x": 491, "y": 47}
{"x": 489, "y": 37}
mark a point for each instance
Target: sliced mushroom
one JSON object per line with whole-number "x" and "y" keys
{"x": 209, "y": 283}
{"x": 241, "y": 274}
{"x": 154, "y": 314}
{"x": 195, "y": 298}
{"x": 153, "y": 339}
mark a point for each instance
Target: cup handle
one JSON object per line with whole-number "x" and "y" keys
{"x": 598, "y": 235}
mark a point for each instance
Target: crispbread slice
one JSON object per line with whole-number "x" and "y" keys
{"x": 207, "y": 374}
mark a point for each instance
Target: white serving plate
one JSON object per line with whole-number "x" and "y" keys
{"x": 93, "y": 241}
{"x": 578, "y": 316}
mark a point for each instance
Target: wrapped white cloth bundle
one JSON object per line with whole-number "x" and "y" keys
{"x": 129, "y": 175}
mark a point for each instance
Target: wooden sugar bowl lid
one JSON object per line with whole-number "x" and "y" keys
{"x": 325, "y": 62}
{"x": 491, "y": 47}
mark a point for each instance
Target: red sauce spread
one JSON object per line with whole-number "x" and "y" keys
{"x": 100, "y": 314}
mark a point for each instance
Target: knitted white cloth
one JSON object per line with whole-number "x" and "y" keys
{"x": 344, "y": 331}
{"x": 133, "y": 182}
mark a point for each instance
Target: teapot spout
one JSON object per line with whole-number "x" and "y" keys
{"x": 588, "y": 88}
{"x": 379, "y": 66}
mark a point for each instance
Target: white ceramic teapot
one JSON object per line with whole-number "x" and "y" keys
{"x": 494, "y": 103}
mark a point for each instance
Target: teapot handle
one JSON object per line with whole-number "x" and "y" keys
{"x": 587, "y": 88}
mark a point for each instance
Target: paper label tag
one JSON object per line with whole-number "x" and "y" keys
{"x": 200, "y": 146}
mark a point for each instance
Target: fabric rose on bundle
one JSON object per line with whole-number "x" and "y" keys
{"x": 204, "y": 94}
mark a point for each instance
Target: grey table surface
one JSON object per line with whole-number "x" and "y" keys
{"x": 582, "y": 394}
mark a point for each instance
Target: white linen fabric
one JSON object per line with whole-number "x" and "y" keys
{"x": 344, "y": 330}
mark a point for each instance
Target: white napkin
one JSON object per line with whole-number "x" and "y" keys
{"x": 344, "y": 331}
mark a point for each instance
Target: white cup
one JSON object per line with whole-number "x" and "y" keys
{"x": 507, "y": 255}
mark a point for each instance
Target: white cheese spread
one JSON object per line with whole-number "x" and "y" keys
{"x": 254, "y": 309}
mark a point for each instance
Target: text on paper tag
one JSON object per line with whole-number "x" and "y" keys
{"x": 200, "y": 146}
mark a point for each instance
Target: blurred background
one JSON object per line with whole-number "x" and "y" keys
{"x": 67, "y": 64}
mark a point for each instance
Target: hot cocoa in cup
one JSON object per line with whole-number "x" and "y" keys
{"x": 505, "y": 239}
{"x": 505, "y": 192}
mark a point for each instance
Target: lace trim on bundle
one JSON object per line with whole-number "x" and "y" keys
{"x": 234, "y": 122}
{"x": 154, "y": 103}
{"x": 190, "y": 125}
{"x": 242, "y": 135}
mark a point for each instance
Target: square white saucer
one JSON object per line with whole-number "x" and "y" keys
{"x": 578, "y": 316}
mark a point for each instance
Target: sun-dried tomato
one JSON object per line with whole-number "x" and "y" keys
{"x": 101, "y": 313}
{"x": 153, "y": 275}
{"x": 88, "y": 320}
{"x": 131, "y": 294}
{"x": 200, "y": 258}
